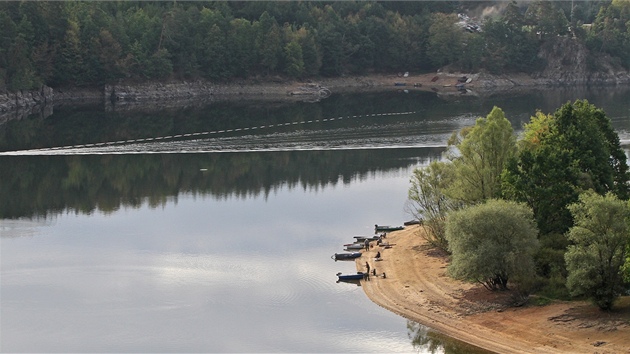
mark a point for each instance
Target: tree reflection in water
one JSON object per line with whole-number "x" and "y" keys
{"x": 425, "y": 340}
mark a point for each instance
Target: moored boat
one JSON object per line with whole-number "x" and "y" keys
{"x": 343, "y": 256}
{"x": 382, "y": 228}
{"x": 363, "y": 238}
{"x": 357, "y": 276}
{"x": 354, "y": 246}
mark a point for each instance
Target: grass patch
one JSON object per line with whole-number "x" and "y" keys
{"x": 537, "y": 300}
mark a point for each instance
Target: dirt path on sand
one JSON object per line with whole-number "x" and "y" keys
{"x": 417, "y": 287}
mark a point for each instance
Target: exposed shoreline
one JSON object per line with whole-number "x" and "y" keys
{"x": 417, "y": 288}
{"x": 129, "y": 95}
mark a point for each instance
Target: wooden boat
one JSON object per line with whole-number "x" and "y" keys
{"x": 381, "y": 228}
{"x": 363, "y": 238}
{"x": 412, "y": 222}
{"x": 357, "y": 276}
{"x": 343, "y": 256}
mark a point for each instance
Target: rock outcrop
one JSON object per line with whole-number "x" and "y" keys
{"x": 569, "y": 62}
{"x": 17, "y": 105}
{"x": 25, "y": 99}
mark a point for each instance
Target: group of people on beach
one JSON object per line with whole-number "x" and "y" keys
{"x": 376, "y": 258}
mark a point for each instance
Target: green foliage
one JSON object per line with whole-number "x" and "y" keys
{"x": 551, "y": 267}
{"x": 427, "y": 202}
{"x": 540, "y": 301}
{"x": 294, "y": 59}
{"x": 560, "y": 156}
{"x": 482, "y": 152}
{"x": 600, "y": 240}
{"x": 493, "y": 243}
{"x": 509, "y": 44}
{"x": 87, "y": 43}
{"x": 546, "y": 19}
{"x": 610, "y": 32}
{"x": 576, "y": 149}
{"x": 445, "y": 39}
{"x": 268, "y": 42}
{"x": 625, "y": 269}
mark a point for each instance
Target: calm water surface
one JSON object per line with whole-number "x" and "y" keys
{"x": 139, "y": 247}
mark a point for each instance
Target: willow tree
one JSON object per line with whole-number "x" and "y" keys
{"x": 600, "y": 238}
{"x": 427, "y": 201}
{"x": 471, "y": 174}
{"x": 493, "y": 243}
{"x": 479, "y": 157}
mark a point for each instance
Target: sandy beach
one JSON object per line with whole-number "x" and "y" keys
{"x": 417, "y": 287}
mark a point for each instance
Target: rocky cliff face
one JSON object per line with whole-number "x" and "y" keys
{"x": 569, "y": 62}
{"x": 16, "y": 105}
{"x": 22, "y": 99}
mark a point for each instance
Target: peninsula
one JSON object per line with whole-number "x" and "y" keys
{"x": 417, "y": 287}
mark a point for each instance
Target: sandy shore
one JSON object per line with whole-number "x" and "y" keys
{"x": 417, "y": 288}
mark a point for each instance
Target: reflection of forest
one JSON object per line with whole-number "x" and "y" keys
{"x": 44, "y": 185}
{"x": 41, "y": 185}
{"x": 72, "y": 125}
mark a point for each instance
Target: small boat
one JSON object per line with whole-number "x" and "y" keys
{"x": 344, "y": 256}
{"x": 400, "y": 84}
{"x": 357, "y": 276}
{"x": 354, "y": 246}
{"x": 363, "y": 238}
{"x": 381, "y": 228}
{"x": 412, "y": 222}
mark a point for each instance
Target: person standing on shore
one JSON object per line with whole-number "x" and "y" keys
{"x": 366, "y": 243}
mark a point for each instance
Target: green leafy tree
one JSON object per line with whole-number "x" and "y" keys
{"x": 546, "y": 18}
{"x": 241, "y": 49}
{"x": 427, "y": 201}
{"x": 294, "y": 60}
{"x": 159, "y": 65}
{"x": 610, "y": 32}
{"x": 110, "y": 55}
{"x": 561, "y": 155}
{"x": 481, "y": 153}
{"x": 69, "y": 63}
{"x": 330, "y": 41}
{"x": 600, "y": 240}
{"x": 626, "y": 266}
{"x": 509, "y": 45}
{"x": 268, "y": 42}
{"x": 573, "y": 150}
{"x": 310, "y": 52}
{"x": 138, "y": 60}
{"x": 213, "y": 59}
{"x": 493, "y": 243}
{"x": 445, "y": 42}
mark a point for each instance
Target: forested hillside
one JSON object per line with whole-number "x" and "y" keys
{"x": 79, "y": 43}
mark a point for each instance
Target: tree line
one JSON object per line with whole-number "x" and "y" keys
{"x": 80, "y": 43}
{"x": 548, "y": 212}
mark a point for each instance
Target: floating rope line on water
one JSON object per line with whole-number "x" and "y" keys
{"x": 208, "y": 133}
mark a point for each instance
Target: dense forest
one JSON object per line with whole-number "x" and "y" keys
{"x": 88, "y": 43}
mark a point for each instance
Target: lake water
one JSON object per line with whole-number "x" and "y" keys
{"x": 220, "y": 241}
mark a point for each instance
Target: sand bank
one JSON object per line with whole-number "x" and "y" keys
{"x": 417, "y": 288}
